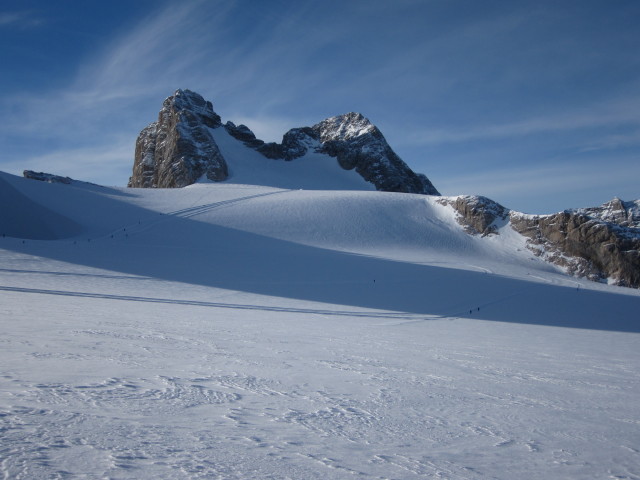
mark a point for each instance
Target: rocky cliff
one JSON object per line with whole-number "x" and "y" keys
{"x": 178, "y": 149}
{"x": 478, "y": 215}
{"x": 600, "y": 243}
{"x": 616, "y": 211}
{"x": 357, "y": 144}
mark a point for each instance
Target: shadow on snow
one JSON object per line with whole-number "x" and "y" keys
{"x": 179, "y": 249}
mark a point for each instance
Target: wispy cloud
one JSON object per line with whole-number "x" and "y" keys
{"x": 556, "y": 187}
{"x": 111, "y": 89}
{"x": 119, "y": 89}
{"x": 191, "y": 45}
{"x": 438, "y": 82}
{"x": 612, "y": 114}
{"x": 96, "y": 163}
{"x": 20, "y": 19}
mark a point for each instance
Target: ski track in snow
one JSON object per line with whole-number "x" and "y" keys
{"x": 188, "y": 212}
{"x": 118, "y": 374}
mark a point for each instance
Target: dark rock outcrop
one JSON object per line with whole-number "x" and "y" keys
{"x": 51, "y": 178}
{"x": 46, "y": 177}
{"x": 478, "y": 215}
{"x": 244, "y": 134}
{"x": 357, "y": 144}
{"x": 599, "y": 243}
{"x": 178, "y": 149}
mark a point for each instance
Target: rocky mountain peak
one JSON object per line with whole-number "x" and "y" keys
{"x": 357, "y": 144}
{"x": 619, "y": 212}
{"x": 179, "y": 148}
{"x": 345, "y": 127}
{"x": 186, "y": 101}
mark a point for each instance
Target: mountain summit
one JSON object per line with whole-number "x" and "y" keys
{"x": 180, "y": 148}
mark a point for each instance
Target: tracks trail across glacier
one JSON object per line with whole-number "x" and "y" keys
{"x": 184, "y": 213}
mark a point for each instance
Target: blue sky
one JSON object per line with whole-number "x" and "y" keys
{"x": 533, "y": 104}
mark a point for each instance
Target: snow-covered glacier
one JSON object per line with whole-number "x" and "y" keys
{"x": 257, "y": 330}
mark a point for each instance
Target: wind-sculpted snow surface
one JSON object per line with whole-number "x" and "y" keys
{"x": 242, "y": 331}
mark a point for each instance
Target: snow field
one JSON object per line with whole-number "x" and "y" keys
{"x": 244, "y": 331}
{"x": 125, "y": 389}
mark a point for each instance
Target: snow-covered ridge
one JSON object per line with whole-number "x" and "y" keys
{"x": 344, "y": 127}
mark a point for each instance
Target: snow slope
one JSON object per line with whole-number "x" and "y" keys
{"x": 31, "y": 219}
{"x": 249, "y": 331}
{"x": 311, "y": 171}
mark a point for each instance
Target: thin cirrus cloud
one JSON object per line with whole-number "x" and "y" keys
{"x": 80, "y": 163}
{"x": 522, "y": 187}
{"x": 118, "y": 90}
{"x": 613, "y": 114}
{"x": 476, "y": 92}
{"x": 160, "y": 49}
{"x": 20, "y": 19}
{"x": 105, "y": 98}
{"x": 181, "y": 46}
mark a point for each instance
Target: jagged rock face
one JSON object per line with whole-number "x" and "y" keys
{"x": 244, "y": 134}
{"x": 46, "y": 177}
{"x": 357, "y": 144}
{"x": 478, "y": 215}
{"x": 178, "y": 149}
{"x": 625, "y": 214}
{"x": 600, "y": 243}
{"x": 586, "y": 246}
